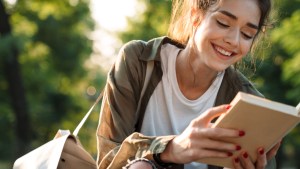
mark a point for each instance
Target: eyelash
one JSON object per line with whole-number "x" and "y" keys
{"x": 222, "y": 24}
{"x": 247, "y": 36}
{"x": 227, "y": 26}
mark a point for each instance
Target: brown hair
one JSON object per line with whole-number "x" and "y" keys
{"x": 181, "y": 24}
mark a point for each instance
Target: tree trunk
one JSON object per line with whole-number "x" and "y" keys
{"x": 15, "y": 87}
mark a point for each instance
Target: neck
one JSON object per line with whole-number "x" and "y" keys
{"x": 193, "y": 77}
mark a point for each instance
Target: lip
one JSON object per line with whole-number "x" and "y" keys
{"x": 220, "y": 55}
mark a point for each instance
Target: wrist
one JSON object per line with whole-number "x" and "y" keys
{"x": 158, "y": 160}
{"x": 163, "y": 159}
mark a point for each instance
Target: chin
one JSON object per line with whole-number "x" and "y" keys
{"x": 220, "y": 68}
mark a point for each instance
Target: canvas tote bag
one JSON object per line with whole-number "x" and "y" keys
{"x": 63, "y": 152}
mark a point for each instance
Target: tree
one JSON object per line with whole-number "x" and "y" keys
{"x": 152, "y": 23}
{"x": 50, "y": 41}
{"x": 287, "y": 43}
{"x": 12, "y": 72}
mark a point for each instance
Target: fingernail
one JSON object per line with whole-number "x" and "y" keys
{"x": 229, "y": 154}
{"x": 237, "y": 160}
{"x": 245, "y": 155}
{"x": 228, "y": 107}
{"x": 241, "y": 133}
{"x": 238, "y": 147}
{"x": 261, "y": 151}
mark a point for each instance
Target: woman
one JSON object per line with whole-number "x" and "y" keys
{"x": 192, "y": 82}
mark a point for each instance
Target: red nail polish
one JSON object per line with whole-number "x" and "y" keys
{"x": 241, "y": 133}
{"x": 237, "y": 160}
{"x": 245, "y": 155}
{"x": 228, "y": 107}
{"x": 238, "y": 147}
{"x": 229, "y": 154}
{"x": 261, "y": 151}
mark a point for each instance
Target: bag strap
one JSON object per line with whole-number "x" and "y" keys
{"x": 76, "y": 131}
{"x": 150, "y": 65}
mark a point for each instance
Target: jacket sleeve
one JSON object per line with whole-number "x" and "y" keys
{"x": 116, "y": 138}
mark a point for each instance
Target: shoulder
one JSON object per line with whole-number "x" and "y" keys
{"x": 129, "y": 54}
{"x": 148, "y": 50}
{"x": 133, "y": 47}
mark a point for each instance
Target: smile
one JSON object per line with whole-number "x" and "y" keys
{"x": 223, "y": 51}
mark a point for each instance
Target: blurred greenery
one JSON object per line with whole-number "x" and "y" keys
{"x": 45, "y": 48}
{"x": 43, "y": 82}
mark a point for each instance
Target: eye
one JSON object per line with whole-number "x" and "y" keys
{"x": 246, "y": 36}
{"x": 222, "y": 24}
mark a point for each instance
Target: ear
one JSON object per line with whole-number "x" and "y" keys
{"x": 195, "y": 16}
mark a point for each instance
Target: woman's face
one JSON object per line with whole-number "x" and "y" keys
{"x": 225, "y": 35}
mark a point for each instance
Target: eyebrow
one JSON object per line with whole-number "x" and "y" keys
{"x": 251, "y": 25}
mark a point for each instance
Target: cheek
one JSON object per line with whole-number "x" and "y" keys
{"x": 203, "y": 37}
{"x": 245, "y": 47}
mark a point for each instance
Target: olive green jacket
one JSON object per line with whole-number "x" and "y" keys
{"x": 117, "y": 134}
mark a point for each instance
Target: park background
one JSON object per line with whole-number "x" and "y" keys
{"x": 54, "y": 57}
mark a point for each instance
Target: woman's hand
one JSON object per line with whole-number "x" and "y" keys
{"x": 199, "y": 140}
{"x": 244, "y": 162}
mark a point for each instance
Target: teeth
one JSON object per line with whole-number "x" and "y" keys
{"x": 222, "y": 51}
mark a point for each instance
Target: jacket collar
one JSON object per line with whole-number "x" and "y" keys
{"x": 152, "y": 48}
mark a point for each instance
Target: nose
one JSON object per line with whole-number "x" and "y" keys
{"x": 232, "y": 37}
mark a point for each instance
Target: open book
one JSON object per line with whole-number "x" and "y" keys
{"x": 265, "y": 123}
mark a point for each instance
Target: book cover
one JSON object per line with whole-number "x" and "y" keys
{"x": 265, "y": 122}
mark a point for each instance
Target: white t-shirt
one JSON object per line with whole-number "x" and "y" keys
{"x": 168, "y": 111}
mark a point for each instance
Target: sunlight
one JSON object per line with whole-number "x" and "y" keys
{"x": 111, "y": 15}
{"x": 11, "y": 2}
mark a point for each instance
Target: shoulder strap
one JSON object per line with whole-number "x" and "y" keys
{"x": 150, "y": 65}
{"x": 76, "y": 131}
{"x": 149, "y": 69}
{"x": 140, "y": 118}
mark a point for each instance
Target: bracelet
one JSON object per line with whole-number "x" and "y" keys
{"x": 158, "y": 160}
{"x": 139, "y": 160}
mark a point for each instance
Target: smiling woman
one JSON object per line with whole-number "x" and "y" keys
{"x": 193, "y": 81}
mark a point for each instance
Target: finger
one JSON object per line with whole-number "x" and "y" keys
{"x": 212, "y": 113}
{"x": 236, "y": 163}
{"x": 205, "y": 153}
{"x": 246, "y": 161}
{"x": 219, "y": 145}
{"x": 273, "y": 151}
{"x": 261, "y": 159}
{"x": 219, "y": 133}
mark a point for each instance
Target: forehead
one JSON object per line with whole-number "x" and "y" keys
{"x": 247, "y": 10}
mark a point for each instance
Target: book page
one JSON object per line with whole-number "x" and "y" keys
{"x": 273, "y": 105}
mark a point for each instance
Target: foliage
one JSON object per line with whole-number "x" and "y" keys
{"x": 288, "y": 37}
{"x": 53, "y": 44}
{"x": 287, "y": 43}
{"x": 152, "y": 23}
